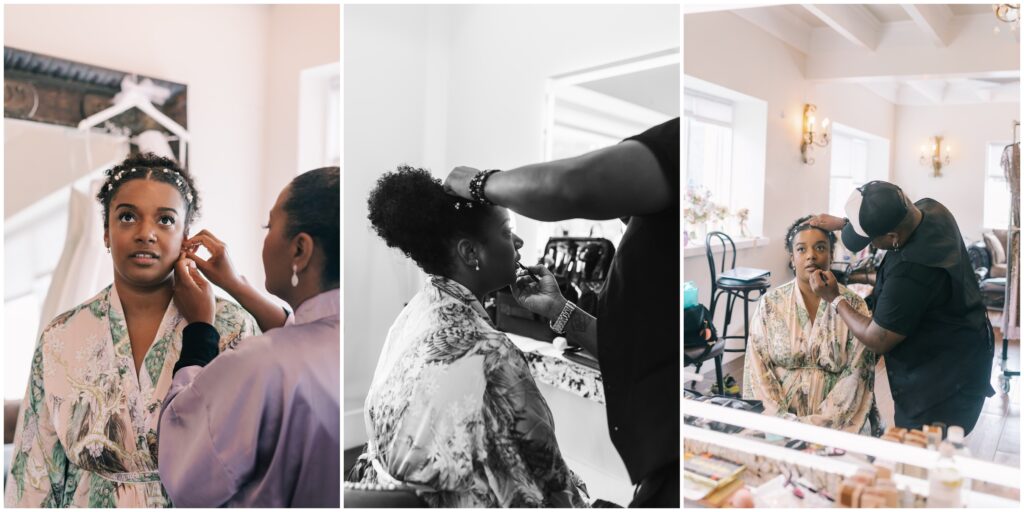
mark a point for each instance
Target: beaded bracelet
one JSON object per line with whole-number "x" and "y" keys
{"x": 477, "y": 184}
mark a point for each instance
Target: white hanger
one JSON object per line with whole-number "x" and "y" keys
{"x": 141, "y": 95}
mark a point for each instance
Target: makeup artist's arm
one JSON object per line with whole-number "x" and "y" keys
{"x": 221, "y": 272}
{"x": 876, "y": 338}
{"x": 618, "y": 181}
{"x": 543, "y": 298}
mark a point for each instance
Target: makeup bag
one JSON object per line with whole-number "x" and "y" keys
{"x": 580, "y": 266}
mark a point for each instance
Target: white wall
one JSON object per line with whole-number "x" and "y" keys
{"x": 240, "y": 63}
{"x": 967, "y": 129}
{"x": 441, "y": 86}
{"x": 300, "y": 37}
{"x": 726, "y": 50}
{"x": 385, "y": 69}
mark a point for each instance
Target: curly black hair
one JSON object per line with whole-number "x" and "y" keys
{"x": 150, "y": 167}
{"x": 799, "y": 226}
{"x": 410, "y": 210}
{"x": 313, "y": 208}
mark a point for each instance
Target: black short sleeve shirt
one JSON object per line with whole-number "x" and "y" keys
{"x": 928, "y": 293}
{"x": 638, "y": 325}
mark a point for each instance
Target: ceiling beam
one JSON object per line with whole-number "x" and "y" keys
{"x": 854, "y": 22}
{"x": 780, "y": 24}
{"x": 887, "y": 91}
{"x": 935, "y": 20}
{"x": 933, "y": 90}
{"x": 974, "y": 52}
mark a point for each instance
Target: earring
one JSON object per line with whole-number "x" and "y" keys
{"x": 108, "y": 250}
{"x": 295, "y": 276}
{"x": 896, "y": 246}
{"x": 478, "y": 265}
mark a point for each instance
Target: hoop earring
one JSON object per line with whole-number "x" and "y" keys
{"x": 896, "y": 247}
{"x": 295, "y": 276}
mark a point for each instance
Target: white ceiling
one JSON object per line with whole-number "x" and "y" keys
{"x": 963, "y": 9}
{"x": 888, "y": 13}
{"x": 910, "y": 54}
{"x": 655, "y": 89}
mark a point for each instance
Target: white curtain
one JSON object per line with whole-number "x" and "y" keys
{"x": 84, "y": 267}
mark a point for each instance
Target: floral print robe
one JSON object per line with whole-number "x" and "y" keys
{"x": 813, "y": 369}
{"x": 454, "y": 411}
{"x": 87, "y": 430}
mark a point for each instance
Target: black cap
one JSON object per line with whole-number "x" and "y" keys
{"x": 874, "y": 209}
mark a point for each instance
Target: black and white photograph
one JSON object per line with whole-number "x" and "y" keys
{"x": 511, "y": 261}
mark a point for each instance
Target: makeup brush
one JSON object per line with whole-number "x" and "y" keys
{"x": 528, "y": 272}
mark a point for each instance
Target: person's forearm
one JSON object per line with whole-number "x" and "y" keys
{"x": 199, "y": 345}
{"x": 858, "y": 325}
{"x": 538, "y": 191}
{"x": 618, "y": 181}
{"x": 268, "y": 314}
{"x": 582, "y": 330}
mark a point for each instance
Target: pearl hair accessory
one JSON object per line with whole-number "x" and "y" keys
{"x": 178, "y": 180}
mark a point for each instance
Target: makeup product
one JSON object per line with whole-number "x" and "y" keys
{"x": 528, "y": 272}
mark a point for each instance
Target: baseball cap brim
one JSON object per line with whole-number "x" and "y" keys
{"x": 852, "y": 240}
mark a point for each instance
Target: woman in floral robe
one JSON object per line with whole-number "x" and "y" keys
{"x": 87, "y": 430}
{"x": 453, "y": 410}
{"x": 86, "y": 434}
{"x": 804, "y": 364}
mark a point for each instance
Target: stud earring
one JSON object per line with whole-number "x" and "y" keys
{"x": 295, "y": 276}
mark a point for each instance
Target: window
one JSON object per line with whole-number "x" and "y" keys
{"x": 724, "y": 150}
{"x": 857, "y": 157}
{"x": 997, "y": 189}
{"x": 597, "y": 108}
{"x": 707, "y": 135}
{"x": 34, "y": 241}
{"x": 319, "y": 117}
{"x": 849, "y": 170}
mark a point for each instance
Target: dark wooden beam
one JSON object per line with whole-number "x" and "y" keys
{"x": 56, "y": 91}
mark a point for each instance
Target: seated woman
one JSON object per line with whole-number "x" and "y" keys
{"x": 453, "y": 410}
{"x": 802, "y": 360}
{"x": 87, "y": 430}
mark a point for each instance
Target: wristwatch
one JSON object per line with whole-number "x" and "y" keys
{"x": 563, "y": 318}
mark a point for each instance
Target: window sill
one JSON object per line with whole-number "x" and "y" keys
{"x": 741, "y": 243}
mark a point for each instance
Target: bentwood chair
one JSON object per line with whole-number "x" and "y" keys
{"x": 728, "y": 282}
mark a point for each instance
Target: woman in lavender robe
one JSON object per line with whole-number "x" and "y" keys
{"x": 261, "y": 428}
{"x": 453, "y": 411}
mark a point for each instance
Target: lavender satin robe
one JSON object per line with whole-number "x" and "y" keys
{"x": 259, "y": 427}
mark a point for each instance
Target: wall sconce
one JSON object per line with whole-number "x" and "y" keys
{"x": 810, "y": 137}
{"x": 1007, "y": 13}
{"x": 935, "y": 156}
